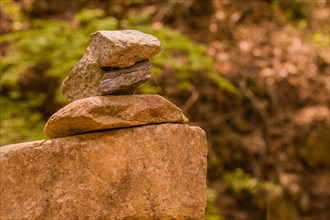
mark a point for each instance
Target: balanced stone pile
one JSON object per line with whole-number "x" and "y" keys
{"x": 111, "y": 154}
{"x": 115, "y": 63}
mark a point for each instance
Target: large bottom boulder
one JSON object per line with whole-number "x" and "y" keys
{"x": 147, "y": 172}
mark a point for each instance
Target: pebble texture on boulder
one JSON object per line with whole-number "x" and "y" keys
{"x": 148, "y": 172}
{"x": 116, "y": 49}
{"x": 108, "y": 112}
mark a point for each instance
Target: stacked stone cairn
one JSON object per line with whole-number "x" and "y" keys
{"x": 111, "y": 154}
{"x": 101, "y": 85}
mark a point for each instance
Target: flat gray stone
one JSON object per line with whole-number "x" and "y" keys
{"x": 124, "y": 81}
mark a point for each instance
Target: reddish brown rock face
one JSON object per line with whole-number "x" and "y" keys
{"x": 147, "y": 172}
{"x": 109, "y": 112}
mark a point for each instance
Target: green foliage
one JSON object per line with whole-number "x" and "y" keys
{"x": 321, "y": 40}
{"x": 56, "y": 44}
{"x": 183, "y": 57}
{"x": 240, "y": 181}
{"x": 211, "y": 208}
{"x": 179, "y": 54}
{"x": 9, "y": 7}
{"x": 223, "y": 83}
{"x": 294, "y": 9}
{"x": 18, "y": 122}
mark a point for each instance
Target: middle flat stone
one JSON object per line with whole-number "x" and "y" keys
{"x": 109, "y": 112}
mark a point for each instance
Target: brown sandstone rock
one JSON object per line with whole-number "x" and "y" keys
{"x": 147, "y": 172}
{"x": 108, "y": 112}
{"x": 126, "y": 80}
{"x": 118, "y": 49}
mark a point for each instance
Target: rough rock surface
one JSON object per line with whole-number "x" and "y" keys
{"x": 118, "y": 49}
{"x": 122, "y": 48}
{"x": 147, "y": 172}
{"x": 108, "y": 112}
{"x": 83, "y": 80}
{"x": 126, "y": 80}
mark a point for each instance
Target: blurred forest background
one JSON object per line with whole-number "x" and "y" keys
{"x": 254, "y": 74}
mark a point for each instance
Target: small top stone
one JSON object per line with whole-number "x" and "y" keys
{"x": 122, "y": 48}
